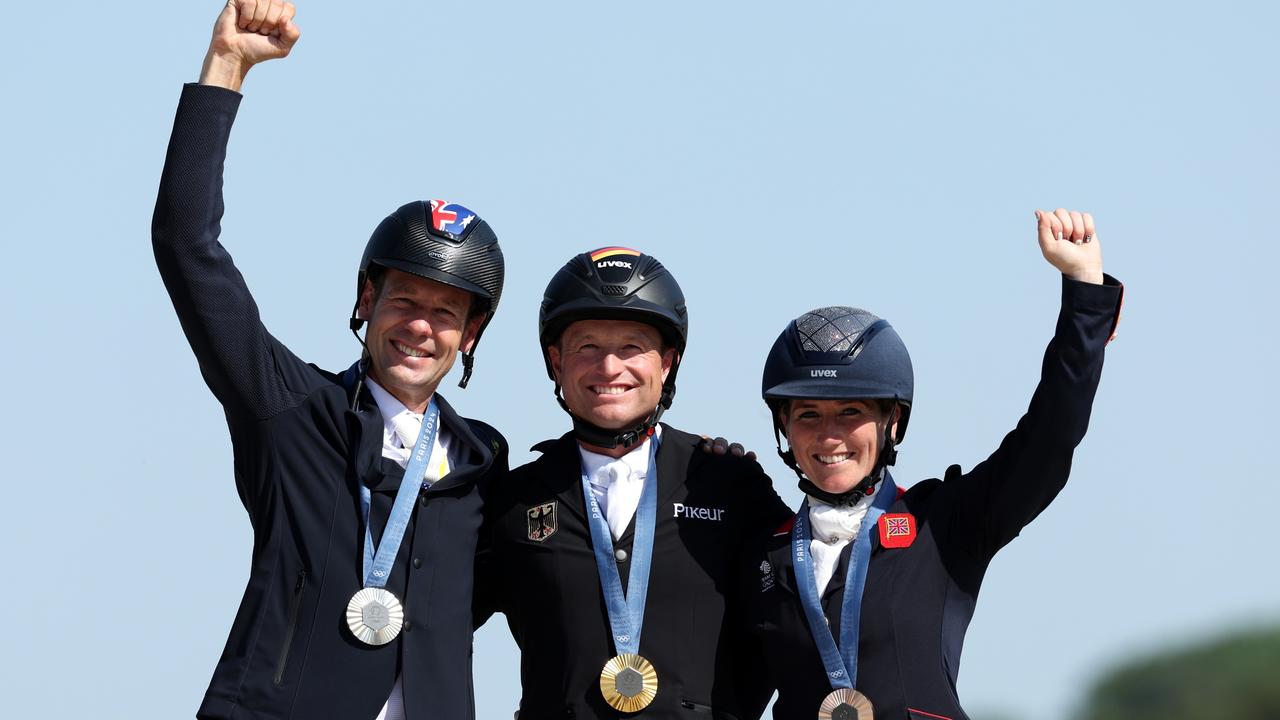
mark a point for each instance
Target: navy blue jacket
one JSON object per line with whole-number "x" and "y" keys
{"x": 920, "y": 596}
{"x": 301, "y": 451}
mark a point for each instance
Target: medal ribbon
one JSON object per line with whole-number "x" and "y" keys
{"x": 626, "y": 611}
{"x": 841, "y": 662}
{"x": 377, "y": 567}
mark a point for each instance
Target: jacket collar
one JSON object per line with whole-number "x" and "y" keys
{"x": 366, "y": 426}
{"x": 476, "y": 456}
{"x": 562, "y": 470}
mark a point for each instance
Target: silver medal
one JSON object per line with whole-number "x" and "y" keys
{"x": 375, "y": 616}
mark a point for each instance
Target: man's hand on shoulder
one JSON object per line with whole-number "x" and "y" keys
{"x": 721, "y": 446}
{"x": 245, "y": 34}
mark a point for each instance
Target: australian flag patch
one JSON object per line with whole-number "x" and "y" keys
{"x": 450, "y": 219}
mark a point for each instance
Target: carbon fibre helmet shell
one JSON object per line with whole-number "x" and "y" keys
{"x": 444, "y": 242}
{"x": 614, "y": 283}
{"x": 840, "y": 353}
{"x": 439, "y": 241}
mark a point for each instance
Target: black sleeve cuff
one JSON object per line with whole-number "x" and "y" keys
{"x": 1105, "y": 299}
{"x": 209, "y": 99}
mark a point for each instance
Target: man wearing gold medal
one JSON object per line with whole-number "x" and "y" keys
{"x": 362, "y": 487}
{"x": 862, "y": 601}
{"x": 612, "y": 555}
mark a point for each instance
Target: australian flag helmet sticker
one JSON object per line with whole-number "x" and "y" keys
{"x": 450, "y": 219}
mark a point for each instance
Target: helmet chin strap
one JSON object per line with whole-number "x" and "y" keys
{"x": 355, "y": 323}
{"x": 593, "y": 434}
{"x": 888, "y": 455}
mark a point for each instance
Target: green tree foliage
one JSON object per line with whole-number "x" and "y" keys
{"x": 1233, "y": 678}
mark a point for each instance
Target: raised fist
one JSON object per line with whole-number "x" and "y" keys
{"x": 1069, "y": 242}
{"x": 246, "y": 33}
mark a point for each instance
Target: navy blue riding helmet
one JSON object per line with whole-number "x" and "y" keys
{"x": 839, "y": 353}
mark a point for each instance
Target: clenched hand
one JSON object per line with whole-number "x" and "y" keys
{"x": 246, "y": 33}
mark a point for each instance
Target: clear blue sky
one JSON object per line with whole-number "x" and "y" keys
{"x": 775, "y": 158}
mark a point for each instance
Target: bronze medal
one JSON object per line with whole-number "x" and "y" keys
{"x": 629, "y": 682}
{"x": 845, "y": 704}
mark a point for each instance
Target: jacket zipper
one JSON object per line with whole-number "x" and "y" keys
{"x": 294, "y": 605}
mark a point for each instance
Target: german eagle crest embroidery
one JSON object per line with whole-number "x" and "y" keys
{"x": 542, "y": 521}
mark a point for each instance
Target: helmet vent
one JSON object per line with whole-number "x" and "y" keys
{"x": 833, "y": 329}
{"x": 617, "y": 290}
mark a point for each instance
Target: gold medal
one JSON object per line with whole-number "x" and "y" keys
{"x": 845, "y": 704}
{"x": 629, "y": 682}
{"x": 375, "y": 616}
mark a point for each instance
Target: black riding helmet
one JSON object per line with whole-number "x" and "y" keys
{"x": 839, "y": 353}
{"x": 440, "y": 241}
{"x": 615, "y": 283}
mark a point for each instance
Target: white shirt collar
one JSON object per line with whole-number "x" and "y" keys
{"x": 388, "y": 405}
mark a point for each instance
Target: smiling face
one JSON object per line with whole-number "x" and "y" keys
{"x": 611, "y": 371}
{"x": 416, "y": 327}
{"x": 836, "y": 442}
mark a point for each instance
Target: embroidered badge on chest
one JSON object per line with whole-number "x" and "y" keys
{"x": 766, "y": 576}
{"x": 897, "y": 530}
{"x": 542, "y": 521}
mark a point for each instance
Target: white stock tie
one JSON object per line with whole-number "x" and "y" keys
{"x": 833, "y": 528}
{"x": 620, "y": 503}
{"x": 407, "y": 429}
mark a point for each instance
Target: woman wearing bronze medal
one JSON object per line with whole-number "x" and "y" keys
{"x": 862, "y": 600}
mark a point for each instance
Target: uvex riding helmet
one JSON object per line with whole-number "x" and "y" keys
{"x": 839, "y": 353}
{"x": 440, "y": 241}
{"x": 615, "y": 283}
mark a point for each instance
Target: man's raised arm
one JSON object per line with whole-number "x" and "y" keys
{"x": 248, "y": 371}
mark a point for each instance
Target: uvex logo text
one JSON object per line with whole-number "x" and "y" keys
{"x": 822, "y": 373}
{"x": 614, "y": 263}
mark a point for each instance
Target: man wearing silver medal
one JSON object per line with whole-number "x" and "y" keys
{"x": 612, "y": 555}
{"x": 363, "y": 487}
{"x": 862, "y": 601}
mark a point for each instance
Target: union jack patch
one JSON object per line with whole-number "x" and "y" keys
{"x": 542, "y": 521}
{"x": 897, "y": 530}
